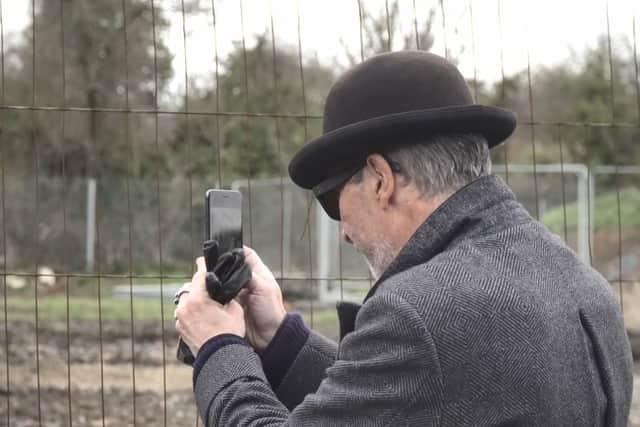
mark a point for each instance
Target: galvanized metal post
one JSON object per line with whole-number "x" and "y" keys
{"x": 91, "y": 223}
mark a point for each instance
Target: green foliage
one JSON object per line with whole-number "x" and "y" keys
{"x": 54, "y": 308}
{"x": 106, "y": 67}
{"x": 248, "y": 117}
{"x": 101, "y": 66}
{"x": 593, "y": 94}
{"x": 251, "y": 81}
{"x": 598, "y": 90}
{"x": 256, "y": 144}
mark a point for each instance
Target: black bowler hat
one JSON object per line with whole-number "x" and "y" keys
{"x": 385, "y": 102}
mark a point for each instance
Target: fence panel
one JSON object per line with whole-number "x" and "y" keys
{"x": 117, "y": 116}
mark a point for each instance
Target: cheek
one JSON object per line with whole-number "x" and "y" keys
{"x": 348, "y": 225}
{"x": 342, "y": 206}
{"x": 349, "y": 214}
{"x": 351, "y": 205}
{"x": 355, "y": 212}
{"x": 354, "y": 227}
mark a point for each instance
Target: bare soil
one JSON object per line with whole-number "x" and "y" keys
{"x": 97, "y": 387}
{"x": 103, "y": 385}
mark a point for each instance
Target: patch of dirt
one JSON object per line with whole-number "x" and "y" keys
{"x": 101, "y": 393}
{"x": 97, "y": 387}
{"x": 87, "y": 409}
{"x": 85, "y": 345}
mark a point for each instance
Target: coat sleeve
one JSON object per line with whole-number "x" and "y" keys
{"x": 307, "y": 370}
{"x": 387, "y": 372}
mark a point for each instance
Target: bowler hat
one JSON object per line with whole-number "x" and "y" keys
{"x": 387, "y": 101}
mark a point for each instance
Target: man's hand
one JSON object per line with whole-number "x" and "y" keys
{"x": 262, "y": 303}
{"x": 199, "y": 318}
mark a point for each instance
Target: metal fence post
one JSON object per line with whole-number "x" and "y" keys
{"x": 91, "y": 223}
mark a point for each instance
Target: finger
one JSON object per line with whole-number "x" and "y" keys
{"x": 200, "y": 264}
{"x": 198, "y": 283}
{"x": 261, "y": 278}
{"x": 243, "y": 297}
{"x": 252, "y": 259}
{"x": 186, "y": 287}
{"x": 234, "y": 309}
{"x": 250, "y": 256}
{"x": 198, "y": 279}
{"x": 243, "y": 294}
{"x": 189, "y": 301}
{"x": 178, "y": 327}
{"x": 180, "y": 306}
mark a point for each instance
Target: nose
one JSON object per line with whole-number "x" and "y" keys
{"x": 345, "y": 236}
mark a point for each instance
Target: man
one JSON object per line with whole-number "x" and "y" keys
{"x": 479, "y": 315}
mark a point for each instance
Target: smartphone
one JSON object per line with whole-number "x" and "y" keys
{"x": 224, "y": 218}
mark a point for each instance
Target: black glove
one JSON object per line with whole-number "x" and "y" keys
{"x": 227, "y": 274}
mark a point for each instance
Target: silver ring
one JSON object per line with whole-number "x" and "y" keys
{"x": 183, "y": 289}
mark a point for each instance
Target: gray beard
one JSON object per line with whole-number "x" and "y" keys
{"x": 379, "y": 258}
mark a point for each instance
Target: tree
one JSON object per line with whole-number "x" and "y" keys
{"x": 381, "y": 32}
{"x": 251, "y": 145}
{"x": 586, "y": 94}
{"x": 105, "y": 67}
{"x": 254, "y": 83}
{"x": 99, "y": 71}
{"x": 591, "y": 89}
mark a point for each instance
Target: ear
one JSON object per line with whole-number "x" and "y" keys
{"x": 383, "y": 181}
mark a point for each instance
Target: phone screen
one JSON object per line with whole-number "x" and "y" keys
{"x": 225, "y": 218}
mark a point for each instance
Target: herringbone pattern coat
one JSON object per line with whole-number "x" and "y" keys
{"x": 484, "y": 318}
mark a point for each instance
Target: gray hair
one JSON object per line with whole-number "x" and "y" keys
{"x": 443, "y": 163}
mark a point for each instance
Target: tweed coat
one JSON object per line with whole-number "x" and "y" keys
{"x": 484, "y": 318}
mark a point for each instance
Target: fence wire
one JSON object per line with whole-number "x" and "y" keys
{"x": 82, "y": 340}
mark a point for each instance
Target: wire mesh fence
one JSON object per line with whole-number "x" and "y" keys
{"x": 116, "y": 116}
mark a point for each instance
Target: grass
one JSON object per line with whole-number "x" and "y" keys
{"x": 54, "y": 308}
{"x": 325, "y": 321}
{"x": 83, "y": 304}
{"x": 605, "y": 215}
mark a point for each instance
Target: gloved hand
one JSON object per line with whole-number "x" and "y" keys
{"x": 226, "y": 275}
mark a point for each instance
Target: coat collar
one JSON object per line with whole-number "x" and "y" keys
{"x": 485, "y": 205}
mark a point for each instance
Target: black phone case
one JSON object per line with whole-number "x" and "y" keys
{"x": 208, "y": 236}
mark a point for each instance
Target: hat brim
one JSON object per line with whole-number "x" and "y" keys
{"x": 338, "y": 150}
